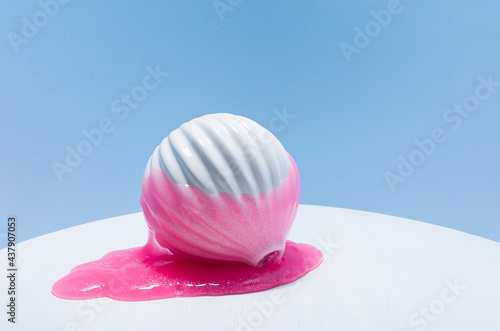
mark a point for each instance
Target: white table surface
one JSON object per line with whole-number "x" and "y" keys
{"x": 379, "y": 273}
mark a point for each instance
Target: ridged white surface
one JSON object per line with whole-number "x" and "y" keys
{"x": 223, "y": 153}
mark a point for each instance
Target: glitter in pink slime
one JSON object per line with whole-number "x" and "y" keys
{"x": 201, "y": 244}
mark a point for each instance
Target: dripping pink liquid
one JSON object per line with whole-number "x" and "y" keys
{"x": 200, "y": 245}
{"x": 134, "y": 275}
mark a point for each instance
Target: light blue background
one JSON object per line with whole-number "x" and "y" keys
{"x": 352, "y": 119}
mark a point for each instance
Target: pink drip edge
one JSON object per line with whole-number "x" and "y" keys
{"x": 219, "y": 228}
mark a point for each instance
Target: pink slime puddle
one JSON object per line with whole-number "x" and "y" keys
{"x": 136, "y": 274}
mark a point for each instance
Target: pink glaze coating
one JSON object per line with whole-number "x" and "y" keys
{"x": 137, "y": 274}
{"x": 220, "y": 228}
{"x": 204, "y": 244}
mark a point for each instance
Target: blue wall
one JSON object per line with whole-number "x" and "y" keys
{"x": 386, "y": 106}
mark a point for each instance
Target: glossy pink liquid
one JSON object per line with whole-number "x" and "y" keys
{"x": 135, "y": 275}
{"x": 219, "y": 228}
{"x": 200, "y": 245}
